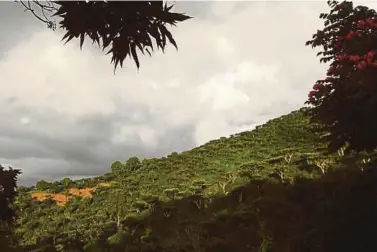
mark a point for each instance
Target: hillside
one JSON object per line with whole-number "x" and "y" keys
{"x": 241, "y": 193}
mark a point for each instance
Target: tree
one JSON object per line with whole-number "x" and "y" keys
{"x": 8, "y": 179}
{"x": 117, "y": 167}
{"x": 118, "y": 205}
{"x": 42, "y": 185}
{"x": 345, "y": 103}
{"x": 55, "y": 187}
{"x": 66, "y": 182}
{"x": 125, "y": 26}
{"x": 133, "y": 164}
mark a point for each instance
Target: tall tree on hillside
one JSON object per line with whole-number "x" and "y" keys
{"x": 345, "y": 103}
{"x": 123, "y": 26}
{"x": 117, "y": 203}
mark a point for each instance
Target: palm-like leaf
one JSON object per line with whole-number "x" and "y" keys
{"x": 120, "y": 26}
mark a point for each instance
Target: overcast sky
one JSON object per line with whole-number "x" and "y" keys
{"x": 64, "y": 113}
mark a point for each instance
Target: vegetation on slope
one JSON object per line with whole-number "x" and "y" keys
{"x": 255, "y": 190}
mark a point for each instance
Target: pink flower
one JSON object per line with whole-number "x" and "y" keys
{"x": 354, "y": 58}
{"x": 317, "y": 86}
{"x": 369, "y": 21}
{"x": 370, "y": 54}
{"x": 361, "y": 22}
{"x": 361, "y": 66}
{"x": 331, "y": 70}
{"x": 312, "y": 94}
{"x": 341, "y": 57}
{"x": 350, "y": 35}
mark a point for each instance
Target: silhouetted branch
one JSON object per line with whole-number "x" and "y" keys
{"x": 48, "y": 7}
{"x": 126, "y": 27}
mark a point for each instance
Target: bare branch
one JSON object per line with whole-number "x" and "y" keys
{"x": 49, "y": 7}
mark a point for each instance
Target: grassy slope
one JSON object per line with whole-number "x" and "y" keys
{"x": 279, "y": 151}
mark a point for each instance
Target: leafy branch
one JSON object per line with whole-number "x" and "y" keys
{"x": 125, "y": 27}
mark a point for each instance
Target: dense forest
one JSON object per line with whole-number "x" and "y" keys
{"x": 303, "y": 182}
{"x": 275, "y": 188}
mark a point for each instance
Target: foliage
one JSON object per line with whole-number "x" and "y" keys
{"x": 8, "y": 191}
{"x": 345, "y": 102}
{"x": 8, "y": 187}
{"x": 273, "y": 188}
{"x": 123, "y": 26}
{"x": 116, "y": 167}
{"x": 42, "y": 185}
{"x": 160, "y": 187}
{"x": 66, "y": 182}
{"x": 133, "y": 164}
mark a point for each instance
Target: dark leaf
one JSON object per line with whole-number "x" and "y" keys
{"x": 147, "y": 50}
{"x": 170, "y": 37}
{"x": 82, "y": 40}
{"x": 134, "y": 55}
{"x": 136, "y": 22}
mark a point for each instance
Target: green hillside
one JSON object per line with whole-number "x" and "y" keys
{"x": 270, "y": 189}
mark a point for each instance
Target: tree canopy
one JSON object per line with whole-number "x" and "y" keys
{"x": 124, "y": 27}
{"x": 345, "y": 102}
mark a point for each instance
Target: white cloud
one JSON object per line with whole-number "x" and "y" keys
{"x": 24, "y": 120}
{"x": 224, "y": 47}
{"x": 135, "y": 134}
{"x": 224, "y": 9}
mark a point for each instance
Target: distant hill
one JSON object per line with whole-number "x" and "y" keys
{"x": 260, "y": 190}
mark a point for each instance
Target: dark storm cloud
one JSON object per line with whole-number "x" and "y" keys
{"x": 85, "y": 144}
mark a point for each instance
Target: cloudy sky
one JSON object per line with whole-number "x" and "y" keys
{"x": 64, "y": 113}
